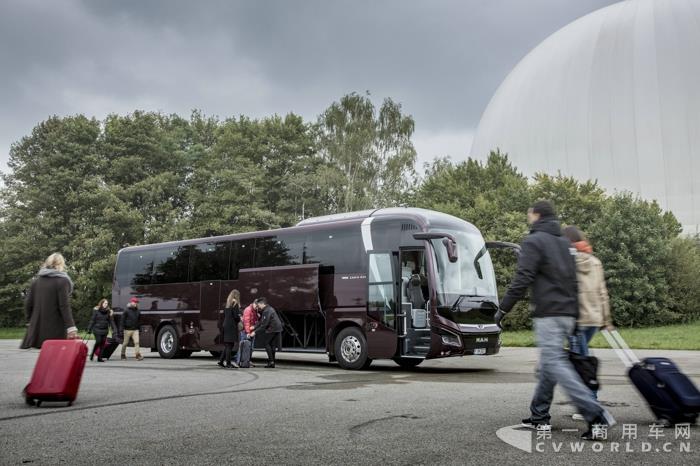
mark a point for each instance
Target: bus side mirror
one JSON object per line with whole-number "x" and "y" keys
{"x": 447, "y": 240}
{"x": 451, "y": 247}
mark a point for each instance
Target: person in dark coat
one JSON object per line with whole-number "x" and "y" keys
{"x": 229, "y": 331}
{"x": 268, "y": 329}
{"x": 129, "y": 328}
{"x": 100, "y": 323}
{"x": 47, "y": 305}
{"x": 547, "y": 265}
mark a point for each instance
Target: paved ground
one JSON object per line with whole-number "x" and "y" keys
{"x": 308, "y": 411}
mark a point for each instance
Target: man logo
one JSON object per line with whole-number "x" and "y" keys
{"x": 517, "y": 436}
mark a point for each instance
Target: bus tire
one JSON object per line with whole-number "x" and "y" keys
{"x": 351, "y": 348}
{"x": 408, "y": 363}
{"x": 168, "y": 342}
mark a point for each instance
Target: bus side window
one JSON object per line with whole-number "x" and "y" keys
{"x": 170, "y": 265}
{"x": 134, "y": 268}
{"x": 241, "y": 257}
{"x": 209, "y": 261}
{"x": 278, "y": 251}
{"x": 336, "y": 250}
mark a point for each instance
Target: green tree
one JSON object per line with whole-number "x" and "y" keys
{"x": 577, "y": 203}
{"x": 367, "y": 153}
{"x": 51, "y": 201}
{"x": 633, "y": 238}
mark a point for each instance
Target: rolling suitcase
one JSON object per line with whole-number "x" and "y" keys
{"x": 246, "y": 350}
{"x": 108, "y": 348}
{"x": 671, "y": 395}
{"x": 57, "y": 373}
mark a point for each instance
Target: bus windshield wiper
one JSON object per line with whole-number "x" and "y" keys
{"x": 482, "y": 299}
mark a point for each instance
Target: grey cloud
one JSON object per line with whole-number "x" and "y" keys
{"x": 441, "y": 59}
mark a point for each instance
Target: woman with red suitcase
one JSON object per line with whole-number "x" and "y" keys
{"x": 47, "y": 305}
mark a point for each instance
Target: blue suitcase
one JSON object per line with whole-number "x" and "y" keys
{"x": 246, "y": 349}
{"x": 671, "y": 395}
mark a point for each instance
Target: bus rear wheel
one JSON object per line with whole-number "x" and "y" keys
{"x": 167, "y": 342}
{"x": 408, "y": 363}
{"x": 351, "y": 349}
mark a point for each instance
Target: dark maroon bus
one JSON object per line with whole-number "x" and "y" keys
{"x": 401, "y": 283}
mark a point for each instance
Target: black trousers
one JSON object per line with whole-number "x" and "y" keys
{"x": 270, "y": 341}
{"x": 99, "y": 341}
{"x": 227, "y": 353}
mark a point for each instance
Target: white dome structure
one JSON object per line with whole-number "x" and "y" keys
{"x": 613, "y": 96}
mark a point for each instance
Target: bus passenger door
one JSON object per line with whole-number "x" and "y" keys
{"x": 210, "y": 314}
{"x": 382, "y": 302}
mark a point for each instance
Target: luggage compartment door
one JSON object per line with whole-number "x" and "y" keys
{"x": 210, "y": 314}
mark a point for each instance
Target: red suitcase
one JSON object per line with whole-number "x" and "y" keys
{"x": 57, "y": 372}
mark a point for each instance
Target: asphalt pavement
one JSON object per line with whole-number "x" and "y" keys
{"x": 309, "y": 411}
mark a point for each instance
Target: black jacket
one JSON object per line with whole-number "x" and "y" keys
{"x": 269, "y": 321}
{"x": 100, "y": 322}
{"x": 232, "y": 315}
{"x": 547, "y": 264}
{"x": 130, "y": 319}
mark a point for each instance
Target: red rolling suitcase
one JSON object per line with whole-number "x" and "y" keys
{"x": 57, "y": 372}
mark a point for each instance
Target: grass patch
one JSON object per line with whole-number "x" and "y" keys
{"x": 671, "y": 337}
{"x": 12, "y": 333}
{"x": 17, "y": 333}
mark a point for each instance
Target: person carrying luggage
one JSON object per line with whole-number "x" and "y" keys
{"x": 100, "y": 323}
{"x": 268, "y": 329}
{"x": 547, "y": 266}
{"x": 47, "y": 305}
{"x": 593, "y": 302}
{"x": 230, "y": 335}
{"x": 129, "y": 328}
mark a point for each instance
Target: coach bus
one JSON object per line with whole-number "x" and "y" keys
{"x": 405, "y": 284}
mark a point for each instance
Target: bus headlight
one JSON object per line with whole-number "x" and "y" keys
{"x": 451, "y": 340}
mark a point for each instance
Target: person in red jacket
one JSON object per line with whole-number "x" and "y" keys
{"x": 249, "y": 319}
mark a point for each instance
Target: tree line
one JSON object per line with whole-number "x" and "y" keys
{"x": 87, "y": 187}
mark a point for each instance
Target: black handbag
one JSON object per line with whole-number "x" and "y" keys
{"x": 587, "y": 368}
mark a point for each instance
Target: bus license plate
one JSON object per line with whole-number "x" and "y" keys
{"x": 479, "y": 350}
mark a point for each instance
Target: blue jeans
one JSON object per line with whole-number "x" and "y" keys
{"x": 555, "y": 368}
{"x": 578, "y": 343}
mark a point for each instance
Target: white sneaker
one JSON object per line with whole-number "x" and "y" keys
{"x": 577, "y": 417}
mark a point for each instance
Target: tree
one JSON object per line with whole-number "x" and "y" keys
{"x": 633, "y": 238}
{"x": 368, "y": 154}
{"x": 51, "y": 202}
{"x": 576, "y": 203}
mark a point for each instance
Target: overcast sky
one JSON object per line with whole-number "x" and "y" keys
{"x": 442, "y": 60}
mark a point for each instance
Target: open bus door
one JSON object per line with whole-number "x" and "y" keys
{"x": 382, "y": 303}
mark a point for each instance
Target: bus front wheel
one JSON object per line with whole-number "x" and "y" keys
{"x": 167, "y": 342}
{"x": 351, "y": 349}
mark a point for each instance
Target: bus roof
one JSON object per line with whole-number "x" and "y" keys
{"x": 426, "y": 218}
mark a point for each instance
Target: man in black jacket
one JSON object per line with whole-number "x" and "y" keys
{"x": 547, "y": 265}
{"x": 268, "y": 329}
{"x": 129, "y": 327}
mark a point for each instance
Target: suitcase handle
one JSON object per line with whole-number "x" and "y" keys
{"x": 621, "y": 348}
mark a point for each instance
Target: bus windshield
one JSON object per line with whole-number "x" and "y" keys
{"x": 472, "y": 274}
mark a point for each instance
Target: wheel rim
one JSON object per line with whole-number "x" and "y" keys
{"x": 167, "y": 342}
{"x": 351, "y": 348}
